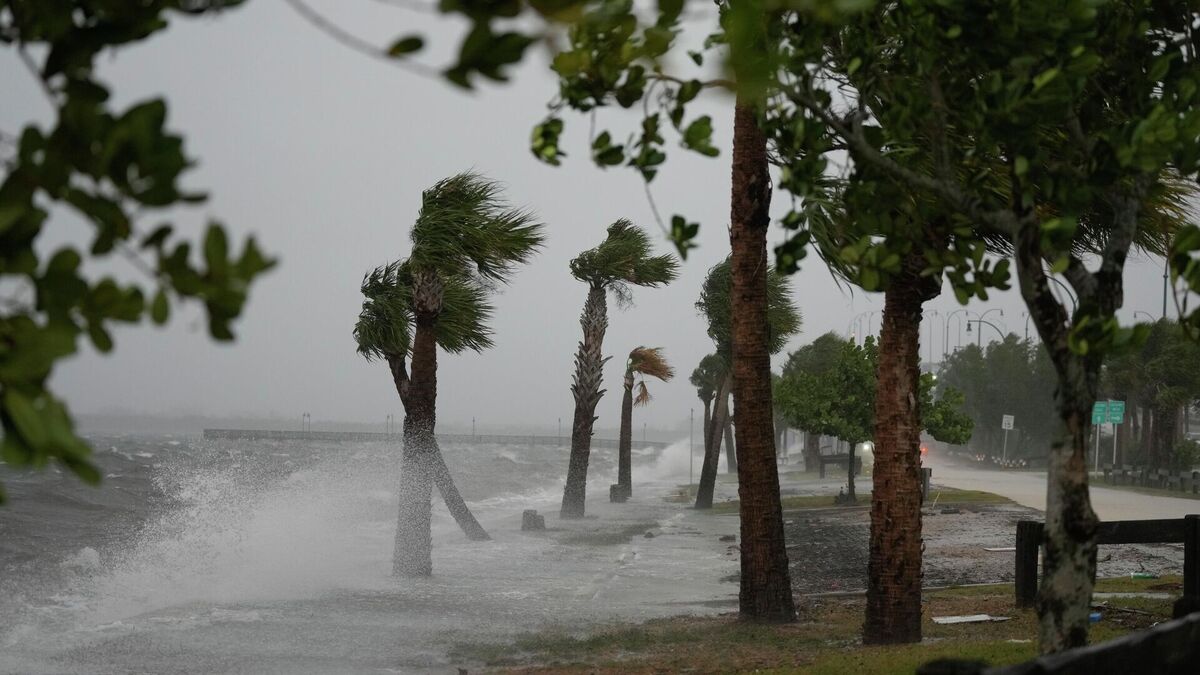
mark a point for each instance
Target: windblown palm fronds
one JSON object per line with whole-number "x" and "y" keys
{"x": 783, "y": 317}
{"x": 624, "y": 259}
{"x": 648, "y": 362}
{"x": 465, "y": 225}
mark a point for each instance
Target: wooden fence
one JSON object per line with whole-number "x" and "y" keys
{"x": 1173, "y": 530}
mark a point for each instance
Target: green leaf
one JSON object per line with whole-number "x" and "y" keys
{"x": 160, "y": 308}
{"x": 1045, "y": 77}
{"x": 405, "y": 46}
{"x": 26, "y": 418}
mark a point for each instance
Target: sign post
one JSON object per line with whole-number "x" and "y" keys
{"x": 1006, "y": 423}
{"x": 1116, "y": 415}
{"x": 1099, "y": 416}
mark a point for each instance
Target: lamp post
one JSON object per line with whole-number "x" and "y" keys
{"x": 1067, "y": 291}
{"x": 979, "y": 335}
{"x": 932, "y": 314}
{"x": 870, "y": 316}
{"x": 1149, "y": 317}
{"x": 981, "y": 322}
{"x": 691, "y": 441}
{"x": 946, "y": 333}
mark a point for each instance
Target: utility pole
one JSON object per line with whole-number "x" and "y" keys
{"x": 472, "y": 429}
{"x": 560, "y": 431}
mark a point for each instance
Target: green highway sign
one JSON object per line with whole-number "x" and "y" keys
{"x": 1116, "y": 412}
{"x": 1111, "y": 412}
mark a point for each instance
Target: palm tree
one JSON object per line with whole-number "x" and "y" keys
{"x": 621, "y": 261}
{"x": 465, "y": 241}
{"x": 708, "y": 378}
{"x": 644, "y": 362}
{"x": 715, "y": 304}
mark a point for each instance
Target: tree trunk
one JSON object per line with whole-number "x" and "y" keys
{"x": 812, "y": 451}
{"x": 589, "y": 372}
{"x": 712, "y": 447}
{"x": 894, "y": 567}
{"x": 1069, "y": 562}
{"x": 852, "y": 446}
{"x": 766, "y": 588}
{"x": 412, "y": 555}
{"x": 625, "y": 443}
{"x": 730, "y": 448}
{"x": 454, "y": 501}
{"x": 704, "y": 431}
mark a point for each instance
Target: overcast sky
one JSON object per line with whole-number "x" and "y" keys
{"x": 322, "y": 153}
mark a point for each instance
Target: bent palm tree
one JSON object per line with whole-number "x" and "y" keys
{"x": 707, "y": 378}
{"x": 644, "y": 362}
{"x": 783, "y": 321}
{"x": 621, "y": 261}
{"x": 465, "y": 241}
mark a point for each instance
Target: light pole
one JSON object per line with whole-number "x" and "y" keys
{"x": 560, "y": 432}
{"x": 691, "y": 441}
{"x": 932, "y": 314}
{"x": 979, "y": 335}
{"x": 870, "y": 316}
{"x": 981, "y": 322}
{"x": 1067, "y": 291}
{"x": 946, "y": 333}
{"x": 1166, "y": 266}
{"x": 1149, "y": 317}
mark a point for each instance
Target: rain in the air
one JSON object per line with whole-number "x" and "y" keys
{"x": 599, "y": 336}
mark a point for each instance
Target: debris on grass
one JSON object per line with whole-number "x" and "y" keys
{"x": 969, "y": 618}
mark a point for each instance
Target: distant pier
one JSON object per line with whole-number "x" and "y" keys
{"x": 296, "y": 435}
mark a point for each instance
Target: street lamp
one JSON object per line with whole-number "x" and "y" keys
{"x": 1070, "y": 295}
{"x": 946, "y": 332}
{"x": 1149, "y": 317}
{"x": 980, "y": 333}
{"x": 932, "y": 314}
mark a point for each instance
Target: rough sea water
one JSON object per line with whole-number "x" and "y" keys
{"x": 275, "y": 557}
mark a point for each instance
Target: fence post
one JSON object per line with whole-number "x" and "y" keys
{"x": 1190, "y": 602}
{"x": 1029, "y": 541}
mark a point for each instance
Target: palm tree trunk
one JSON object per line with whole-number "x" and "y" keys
{"x": 712, "y": 446}
{"x": 894, "y": 568}
{"x": 707, "y": 421}
{"x": 731, "y": 449}
{"x": 625, "y": 442}
{"x": 454, "y": 501}
{"x": 412, "y": 555}
{"x": 589, "y": 372}
{"x": 766, "y": 588}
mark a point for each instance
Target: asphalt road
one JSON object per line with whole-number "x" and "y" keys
{"x": 1028, "y": 488}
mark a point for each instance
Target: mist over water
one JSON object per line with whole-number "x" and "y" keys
{"x": 199, "y": 556}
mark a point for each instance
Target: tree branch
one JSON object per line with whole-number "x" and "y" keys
{"x": 1001, "y": 222}
{"x": 356, "y": 43}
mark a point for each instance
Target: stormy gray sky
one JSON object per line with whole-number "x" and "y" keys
{"x": 323, "y": 152}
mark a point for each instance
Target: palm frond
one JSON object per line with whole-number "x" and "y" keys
{"x": 643, "y": 394}
{"x": 706, "y": 378}
{"x": 385, "y": 323}
{"x": 465, "y": 224}
{"x": 384, "y": 327}
{"x": 624, "y": 259}
{"x": 783, "y": 317}
{"x": 650, "y": 362}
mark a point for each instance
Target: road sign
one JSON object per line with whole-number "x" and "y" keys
{"x": 1099, "y": 412}
{"x": 1006, "y": 422}
{"x": 1116, "y": 412}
